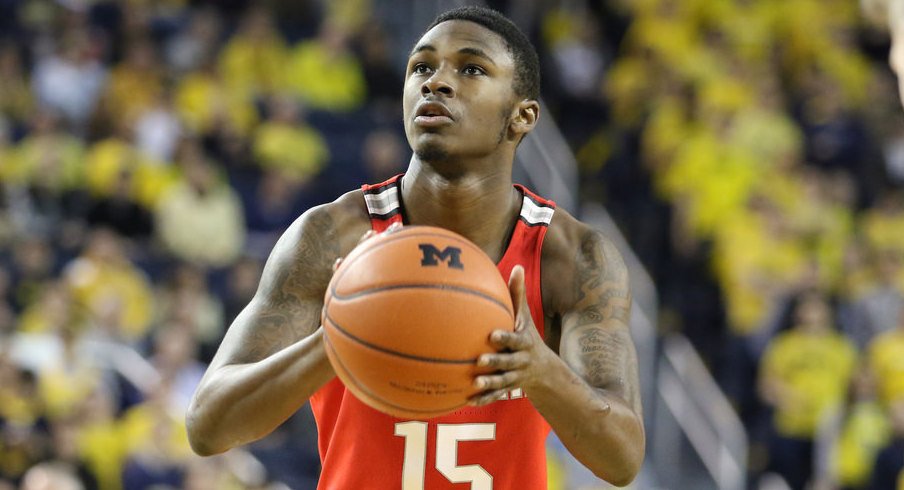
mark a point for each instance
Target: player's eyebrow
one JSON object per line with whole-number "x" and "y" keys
{"x": 469, "y": 51}
{"x": 477, "y": 52}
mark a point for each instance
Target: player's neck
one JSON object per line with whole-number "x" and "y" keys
{"x": 481, "y": 206}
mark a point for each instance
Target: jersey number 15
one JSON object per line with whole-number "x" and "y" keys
{"x": 447, "y": 438}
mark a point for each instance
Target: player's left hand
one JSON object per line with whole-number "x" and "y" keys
{"x": 522, "y": 357}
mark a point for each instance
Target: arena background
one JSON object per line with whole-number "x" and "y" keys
{"x": 747, "y": 156}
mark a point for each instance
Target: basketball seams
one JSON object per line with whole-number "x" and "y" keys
{"x": 386, "y": 350}
{"x": 362, "y": 392}
{"x": 447, "y": 287}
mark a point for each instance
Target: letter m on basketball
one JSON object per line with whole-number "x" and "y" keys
{"x": 451, "y": 256}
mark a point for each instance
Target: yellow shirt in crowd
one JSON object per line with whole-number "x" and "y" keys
{"x": 815, "y": 370}
{"x": 886, "y": 359}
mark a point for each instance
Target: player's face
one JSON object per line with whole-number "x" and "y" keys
{"x": 458, "y": 97}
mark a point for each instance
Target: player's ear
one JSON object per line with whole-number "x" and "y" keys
{"x": 526, "y": 114}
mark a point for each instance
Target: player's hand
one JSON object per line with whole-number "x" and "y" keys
{"x": 522, "y": 357}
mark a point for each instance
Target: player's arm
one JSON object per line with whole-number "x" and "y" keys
{"x": 271, "y": 359}
{"x": 589, "y": 393}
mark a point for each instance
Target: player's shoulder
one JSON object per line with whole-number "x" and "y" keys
{"x": 571, "y": 249}
{"x": 569, "y": 239}
{"x": 341, "y": 221}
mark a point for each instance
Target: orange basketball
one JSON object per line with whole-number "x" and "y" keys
{"x": 407, "y": 314}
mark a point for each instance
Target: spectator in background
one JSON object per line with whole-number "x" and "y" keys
{"x": 174, "y": 355}
{"x": 135, "y": 83}
{"x": 71, "y": 80}
{"x": 886, "y": 360}
{"x": 578, "y": 60}
{"x": 107, "y": 286}
{"x": 206, "y": 104}
{"x": 33, "y": 268}
{"x": 16, "y": 101}
{"x": 45, "y": 173}
{"x": 158, "y": 128}
{"x": 70, "y": 374}
{"x": 878, "y": 309}
{"x": 102, "y": 444}
{"x": 241, "y": 286}
{"x": 863, "y": 431}
{"x": 285, "y": 142}
{"x": 252, "y": 62}
{"x": 22, "y": 430}
{"x": 185, "y": 302}
{"x": 7, "y": 314}
{"x": 381, "y": 77}
{"x": 200, "y": 219}
{"x": 110, "y": 156}
{"x": 65, "y": 442}
{"x": 882, "y": 223}
{"x": 804, "y": 375}
{"x": 277, "y": 199}
{"x": 51, "y": 476}
{"x": 889, "y": 469}
{"x": 157, "y": 444}
{"x": 120, "y": 212}
{"x": 325, "y": 73}
{"x": 50, "y": 310}
{"x": 194, "y": 44}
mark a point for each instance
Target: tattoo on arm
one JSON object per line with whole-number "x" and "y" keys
{"x": 604, "y": 350}
{"x": 288, "y": 303}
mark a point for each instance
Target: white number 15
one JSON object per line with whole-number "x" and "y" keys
{"x": 447, "y": 438}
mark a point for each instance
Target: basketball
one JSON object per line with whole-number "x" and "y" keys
{"x": 406, "y": 316}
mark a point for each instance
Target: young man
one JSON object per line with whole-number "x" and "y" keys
{"x": 470, "y": 96}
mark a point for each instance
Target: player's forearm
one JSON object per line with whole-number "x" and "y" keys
{"x": 599, "y": 429}
{"x": 237, "y": 404}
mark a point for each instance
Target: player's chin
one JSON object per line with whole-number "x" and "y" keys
{"x": 431, "y": 150}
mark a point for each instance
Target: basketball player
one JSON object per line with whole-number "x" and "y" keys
{"x": 470, "y": 96}
{"x": 890, "y": 14}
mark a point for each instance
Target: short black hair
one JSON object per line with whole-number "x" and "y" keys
{"x": 527, "y": 64}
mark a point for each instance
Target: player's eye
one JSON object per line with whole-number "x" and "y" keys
{"x": 473, "y": 70}
{"x": 421, "y": 69}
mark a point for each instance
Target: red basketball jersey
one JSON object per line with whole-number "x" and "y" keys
{"x": 497, "y": 446}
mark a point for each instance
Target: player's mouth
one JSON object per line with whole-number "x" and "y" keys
{"x": 432, "y": 114}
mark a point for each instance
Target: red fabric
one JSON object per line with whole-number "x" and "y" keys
{"x": 359, "y": 447}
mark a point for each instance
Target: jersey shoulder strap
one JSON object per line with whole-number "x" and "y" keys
{"x": 384, "y": 203}
{"x": 535, "y": 210}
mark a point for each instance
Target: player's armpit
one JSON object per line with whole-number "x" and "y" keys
{"x": 596, "y": 341}
{"x": 289, "y": 298}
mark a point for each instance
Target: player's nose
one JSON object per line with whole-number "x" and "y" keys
{"x": 437, "y": 84}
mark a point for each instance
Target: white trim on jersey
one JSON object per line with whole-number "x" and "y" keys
{"x": 384, "y": 201}
{"x": 535, "y": 214}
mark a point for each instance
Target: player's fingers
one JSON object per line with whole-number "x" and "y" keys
{"x": 515, "y": 341}
{"x": 519, "y": 297}
{"x": 504, "y": 361}
{"x": 506, "y": 380}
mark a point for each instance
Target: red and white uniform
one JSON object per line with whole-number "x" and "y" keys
{"x": 497, "y": 446}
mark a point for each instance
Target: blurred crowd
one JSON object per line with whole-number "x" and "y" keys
{"x": 753, "y": 155}
{"x": 151, "y": 152}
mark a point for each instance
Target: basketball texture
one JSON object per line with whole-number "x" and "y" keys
{"x": 406, "y": 316}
